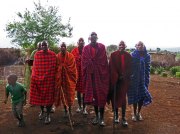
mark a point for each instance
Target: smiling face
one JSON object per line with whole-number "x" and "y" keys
{"x": 122, "y": 46}
{"x": 140, "y": 46}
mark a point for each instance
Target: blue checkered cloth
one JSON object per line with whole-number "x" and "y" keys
{"x": 140, "y": 79}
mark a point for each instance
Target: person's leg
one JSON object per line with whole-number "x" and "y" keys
{"x": 124, "y": 122}
{"x": 65, "y": 111}
{"x": 19, "y": 114}
{"x": 123, "y": 112}
{"x": 140, "y": 104}
{"x": 42, "y": 113}
{"x": 134, "y": 118}
{"x": 79, "y": 102}
{"x": 101, "y": 120}
{"x": 16, "y": 114}
{"x": 70, "y": 111}
{"x": 84, "y": 107}
{"x": 53, "y": 109}
{"x": 96, "y": 119}
{"x": 116, "y": 116}
{"x": 48, "y": 118}
{"x": 134, "y": 108}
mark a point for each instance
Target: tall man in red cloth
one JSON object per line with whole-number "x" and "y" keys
{"x": 120, "y": 72}
{"x": 66, "y": 79}
{"x": 95, "y": 77}
{"x": 42, "y": 87}
{"x": 77, "y": 52}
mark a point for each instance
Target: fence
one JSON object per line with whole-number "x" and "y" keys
{"x": 15, "y": 69}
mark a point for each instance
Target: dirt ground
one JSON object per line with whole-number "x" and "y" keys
{"x": 161, "y": 117}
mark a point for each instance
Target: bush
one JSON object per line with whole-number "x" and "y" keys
{"x": 1, "y": 82}
{"x": 164, "y": 74}
{"x": 70, "y": 47}
{"x": 152, "y": 70}
{"x": 167, "y": 68}
{"x": 178, "y": 74}
{"x": 159, "y": 70}
{"x": 175, "y": 69}
{"x": 54, "y": 48}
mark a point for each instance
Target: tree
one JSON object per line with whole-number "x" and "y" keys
{"x": 40, "y": 24}
{"x": 112, "y": 48}
{"x": 158, "y": 49}
{"x": 70, "y": 47}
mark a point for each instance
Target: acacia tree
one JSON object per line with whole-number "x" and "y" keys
{"x": 112, "y": 48}
{"x": 40, "y": 24}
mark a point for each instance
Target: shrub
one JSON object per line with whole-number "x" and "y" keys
{"x": 152, "y": 70}
{"x": 178, "y": 74}
{"x": 54, "y": 48}
{"x": 1, "y": 82}
{"x": 167, "y": 68}
{"x": 164, "y": 74}
{"x": 159, "y": 70}
{"x": 175, "y": 69}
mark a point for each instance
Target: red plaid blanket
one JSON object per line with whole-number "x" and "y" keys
{"x": 42, "y": 87}
{"x": 95, "y": 75}
{"x": 77, "y": 56}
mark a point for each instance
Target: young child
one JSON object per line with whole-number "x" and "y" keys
{"x": 18, "y": 98}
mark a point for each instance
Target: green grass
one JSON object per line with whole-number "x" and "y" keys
{"x": 1, "y": 82}
{"x": 178, "y": 74}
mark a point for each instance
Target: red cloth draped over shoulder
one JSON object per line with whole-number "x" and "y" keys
{"x": 95, "y": 75}
{"x": 42, "y": 86}
{"x": 78, "y": 56}
{"x": 66, "y": 78}
{"x": 120, "y": 72}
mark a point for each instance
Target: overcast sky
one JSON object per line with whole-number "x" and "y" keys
{"x": 155, "y": 22}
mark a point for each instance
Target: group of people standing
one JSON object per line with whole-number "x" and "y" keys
{"x": 55, "y": 79}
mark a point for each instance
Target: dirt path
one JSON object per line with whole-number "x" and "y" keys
{"x": 161, "y": 117}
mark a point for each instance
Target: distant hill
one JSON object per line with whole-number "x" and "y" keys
{"x": 173, "y": 49}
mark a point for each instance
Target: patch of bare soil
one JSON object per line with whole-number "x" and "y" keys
{"x": 161, "y": 117}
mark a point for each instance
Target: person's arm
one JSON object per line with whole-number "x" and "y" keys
{"x": 6, "y": 95}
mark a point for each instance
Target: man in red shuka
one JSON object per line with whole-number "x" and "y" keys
{"x": 95, "y": 77}
{"x": 77, "y": 52}
{"x": 120, "y": 72}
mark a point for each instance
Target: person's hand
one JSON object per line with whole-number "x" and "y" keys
{"x": 5, "y": 101}
{"x": 121, "y": 77}
{"x": 24, "y": 102}
{"x": 27, "y": 61}
{"x": 109, "y": 96}
{"x": 108, "y": 101}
